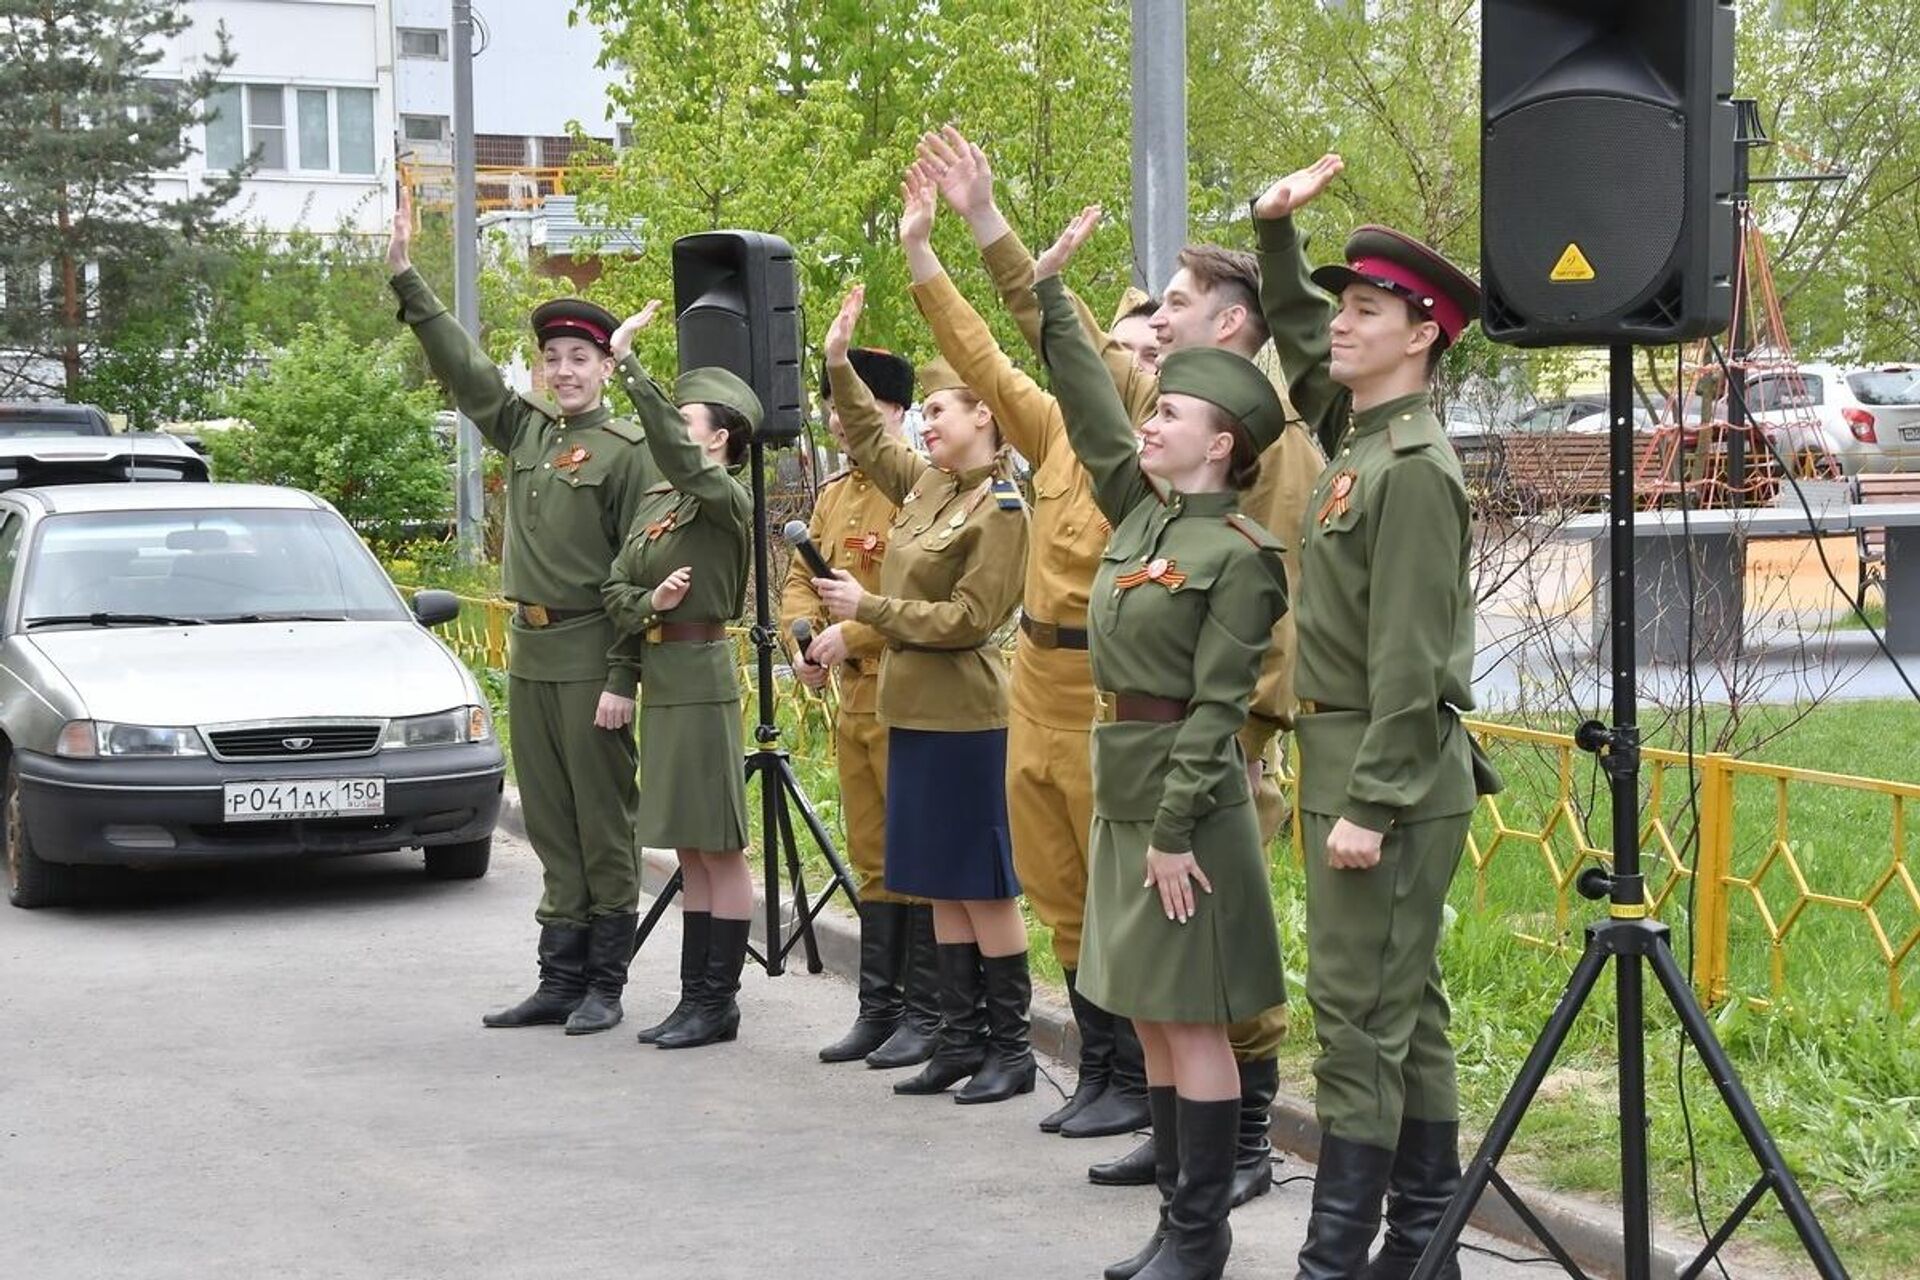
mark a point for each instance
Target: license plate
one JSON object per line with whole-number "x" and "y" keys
{"x": 1910, "y": 433}
{"x": 305, "y": 798}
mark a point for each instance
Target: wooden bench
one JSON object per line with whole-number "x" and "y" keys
{"x": 1529, "y": 473}
{"x": 1869, "y": 490}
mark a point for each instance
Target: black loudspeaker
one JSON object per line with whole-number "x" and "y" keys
{"x": 1606, "y": 170}
{"x": 736, "y": 302}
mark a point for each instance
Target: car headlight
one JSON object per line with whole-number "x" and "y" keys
{"x": 441, "y": 729}
{"x": 91, "y": 739}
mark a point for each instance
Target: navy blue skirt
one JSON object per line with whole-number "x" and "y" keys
{"x": 947, "y": 831}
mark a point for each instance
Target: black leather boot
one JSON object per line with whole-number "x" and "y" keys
{"x": 918, "y": 1031}
{"x": 1009, "y": 1068}
{"x": 1253, "y": 1156}
{"x": 883, "y": 945}
{"x": 1122, "y": 1107}
{"x": 1165, "y": 1172}
{"x": 1426, "y": 1174}
{"x": 1347, "y": 1191}
{"x": 695, "y": 929}
{"x": 609, "y": 952}
{"x": 962, "y": 1048}
{"x": 563, "y": 980}
{"x": 1096, "y": 1055}
{"x": 1198, "y": 1238}
{"x": 1134, "y": 1169}
{"x": 716, "y": 1015}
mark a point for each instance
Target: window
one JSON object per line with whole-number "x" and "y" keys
{"x": 10, "y": 527}
{"x": 332, "y": 128}
{"x": 424, "y": 128}
{"x": 423, "y": 42}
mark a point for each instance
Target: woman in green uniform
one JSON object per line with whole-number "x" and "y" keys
{"x": 677, "y": 582}
{"x": 956, "y": 558}
{"x": 1182, "y": 612}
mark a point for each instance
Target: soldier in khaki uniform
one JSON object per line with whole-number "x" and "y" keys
{"x": 1389, "y": 776}
{"x": 1211, "y": 301}
{"x": 852, "y": 520}
{"x": 578, "y": 475}
{"x": 1049, "y": 762}
{"x": 952, "y": 576}
{"x": 1180, "y": 928}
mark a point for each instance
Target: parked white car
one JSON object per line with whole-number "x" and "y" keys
{"x": 1868, "y": 416}
{"x": 201, "y": 672}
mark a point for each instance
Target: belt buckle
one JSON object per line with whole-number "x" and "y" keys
{"x": 1309, "y": 707}
{"x": 1044, "y": 634}
{"x": 652, "y": 634}
{"x": 1106, "y": 706}
{"x": 535, "y": 615}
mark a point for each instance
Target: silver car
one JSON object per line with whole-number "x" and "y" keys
{"x": 201, "y": 672}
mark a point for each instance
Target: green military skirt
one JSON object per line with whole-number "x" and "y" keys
{"x": 1224, "y": 964}
{"x": 693, "y": 789}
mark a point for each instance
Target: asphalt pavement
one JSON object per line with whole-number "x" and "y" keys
{"x": 279, "y": 1071}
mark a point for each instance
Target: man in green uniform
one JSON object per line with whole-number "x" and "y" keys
{"x": 577, "y": 476}
{"x": 1389, "y": 778}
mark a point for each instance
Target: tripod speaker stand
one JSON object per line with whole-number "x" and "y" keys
{"x": 1633, "y": 943}
{"x": 780, "y": 795}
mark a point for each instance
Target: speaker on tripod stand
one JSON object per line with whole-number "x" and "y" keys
{"x": 1606, "y": 170}
{"x": 736, "y": 306}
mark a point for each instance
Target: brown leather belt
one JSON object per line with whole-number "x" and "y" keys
{"x": 1047, "y": 635}
{"x": 1110, "y": 707}
{"x": 686, "y": 632}
{"x": 546, "y": 615}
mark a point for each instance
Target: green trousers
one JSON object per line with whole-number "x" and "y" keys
{"x": 1373, "y": 978}
{"x": 579, "y": 796}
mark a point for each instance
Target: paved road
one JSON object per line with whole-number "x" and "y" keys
{"x": 280, "y": 1072}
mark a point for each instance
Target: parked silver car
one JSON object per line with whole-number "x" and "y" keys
{"x": 199, "y": 672}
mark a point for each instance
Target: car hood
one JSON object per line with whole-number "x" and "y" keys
{"x": 257, "y": 671}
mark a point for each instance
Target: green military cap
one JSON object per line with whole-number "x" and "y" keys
{"x": 937, "y": 375}
{"x": 714, "y": 385}
{"x": 1401, "y": 265}
{"x": 574, "y": 318}
{"x": 1232, "y": 382}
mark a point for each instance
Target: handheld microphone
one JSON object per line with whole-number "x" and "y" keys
{"x": 797, "y": 538}
{"x": 803, "y": 637}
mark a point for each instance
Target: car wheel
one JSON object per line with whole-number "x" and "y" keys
{"x": 465, "y": 861}
{"x": 32, "y": 881}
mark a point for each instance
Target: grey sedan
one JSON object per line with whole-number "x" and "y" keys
{"x": 196, "y": 672}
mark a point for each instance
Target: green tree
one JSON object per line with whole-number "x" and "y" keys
{"x": 338, "y": 419}
{"x": 84, "y": 130}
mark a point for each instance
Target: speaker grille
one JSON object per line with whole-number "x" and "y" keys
{"x": 1606, "y": 174}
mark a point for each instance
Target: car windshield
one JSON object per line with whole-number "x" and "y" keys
{"x": 22, "y": 425}
{"x": 151, "y": 568}
{"x": 1886, "y": 386}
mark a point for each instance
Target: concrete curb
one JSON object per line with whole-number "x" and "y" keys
{"x": 1590, "y": 1231}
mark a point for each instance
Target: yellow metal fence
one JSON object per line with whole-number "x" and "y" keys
{"x": 1784, "y": 882}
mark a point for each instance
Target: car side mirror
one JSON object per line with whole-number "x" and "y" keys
{"x": 431, "y": 608}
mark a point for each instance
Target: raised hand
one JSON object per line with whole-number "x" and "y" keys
{"x": 916, "y": 205}
{"x": 840, "y": 332}
{"x": 960, "y": 170}
{"x": 1298, "y": 187}
{"x": 621, "y": 343}
{"x": 1061, "y": 251}
{"x": 400, "y": 242}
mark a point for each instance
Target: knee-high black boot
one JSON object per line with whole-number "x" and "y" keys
{"x": 918, "y": 1030}
{"x": 716, "y": 1015}
{"x": 1198, "y": 1238}
{"x": 1347, "y": 1191}
{"x": 1165, "y": 1154}
{"x": 1253, "y": 1155}
{"x": 883, "y": 947}
{"x": 1096, "y": 1055}
{"x": 563, "y": 980}
{"x": 962, "y": 1048}
{"x": 1134, "y": 1169}
{"x": 1009, "y": 1067}
{"x": 695, "y": 929}
{"x": 609, "y": 953}
{"x": 1122, "y": 1106}
{"x": 1425, "y": 1177}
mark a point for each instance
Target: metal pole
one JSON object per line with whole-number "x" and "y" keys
{"x": 469, "y": 505}
{"x": 1159, "y": 139}
{"x": 1748, "y": 133}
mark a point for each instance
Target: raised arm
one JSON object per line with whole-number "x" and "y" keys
{"x": 684, "y": 464}
{"x": 888, "y": 462}
{"x": 1298, "y": 314}
{"x": 456, "y": 359}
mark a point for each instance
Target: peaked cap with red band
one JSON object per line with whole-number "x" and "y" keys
{"x": 574, "y": 318}
{"x": 1385, "y": 259}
